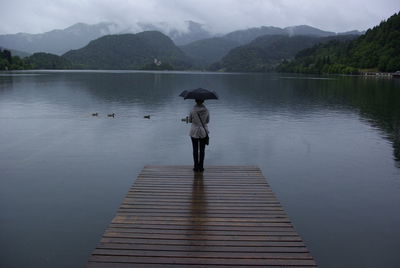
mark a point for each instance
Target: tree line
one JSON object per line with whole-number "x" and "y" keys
{"x": 10, "y": 62}
{"x": 377, "y": 50}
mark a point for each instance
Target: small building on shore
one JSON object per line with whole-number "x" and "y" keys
{"x": 396, "y": 74}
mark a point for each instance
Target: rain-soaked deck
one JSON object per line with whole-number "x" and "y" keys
{"x": 227, "y": 216}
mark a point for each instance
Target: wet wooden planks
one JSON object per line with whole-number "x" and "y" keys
{"x": 226, "y": 216}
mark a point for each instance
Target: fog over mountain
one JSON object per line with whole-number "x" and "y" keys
{"x": 194, "y": 31}
{"x": 57, "y": 41}
{"x": 223, "y": 15}
{"x": 79, "y": 35}
{"x": 254, "y": 49}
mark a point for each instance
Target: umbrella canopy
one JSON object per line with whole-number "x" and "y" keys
{"x": 199, "y": 94}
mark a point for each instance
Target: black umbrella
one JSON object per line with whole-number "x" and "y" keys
{"x": 199, "y": 94}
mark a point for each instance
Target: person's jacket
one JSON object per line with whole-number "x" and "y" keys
{"x": 196, "y": 130}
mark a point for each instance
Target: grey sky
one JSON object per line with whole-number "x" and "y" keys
{"x": 219, "y": 15}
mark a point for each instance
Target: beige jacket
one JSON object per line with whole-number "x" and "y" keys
{"x": 196, "y": 130}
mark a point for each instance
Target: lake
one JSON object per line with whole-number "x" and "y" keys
{"x": 328, "y": 145}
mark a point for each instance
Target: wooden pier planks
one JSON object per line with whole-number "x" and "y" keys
{"x": 227, "y": 216}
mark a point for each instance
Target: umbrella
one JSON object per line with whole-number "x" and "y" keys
{"x": 199, "y": 94}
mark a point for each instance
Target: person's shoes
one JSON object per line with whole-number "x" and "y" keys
{"x": 201, "y": 169}
{"x": 195, "y": 169}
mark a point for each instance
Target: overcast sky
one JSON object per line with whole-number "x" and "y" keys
{"x": 36, "y": 16}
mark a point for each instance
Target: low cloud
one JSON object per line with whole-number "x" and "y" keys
{"x": 218, "y": 16}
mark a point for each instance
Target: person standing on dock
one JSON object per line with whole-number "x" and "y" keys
{"x": 199, "y": 117}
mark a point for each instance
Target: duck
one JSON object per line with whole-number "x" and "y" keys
{"x": 111, "y": 115}
{"x": 95, "y": 114}
{"x": 147, "y": 116}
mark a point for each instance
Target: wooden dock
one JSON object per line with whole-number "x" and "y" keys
{"x": 227, "y": 216}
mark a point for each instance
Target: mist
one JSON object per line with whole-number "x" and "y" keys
{"x": 220, "y": 16}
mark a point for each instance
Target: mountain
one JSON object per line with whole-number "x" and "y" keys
{"x": 378, "y": 50}
{"x": 206, "y": 51}
{"x": 265, "y": 52}
{"x": 210, "y": 50}
{"x": 245, "y": 36}
{"x": 248, "y": 35}
{"x": 129, "y": 51}
{"x": 80, "y": 34}
{"x": 194, "y": 31}
{"x": 57, "y": 41}
{"x": 195, "y": 40}
{"x": 354, "y": 32}
{"x": 306, "y": 30}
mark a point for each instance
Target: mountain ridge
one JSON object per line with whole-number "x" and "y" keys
{"x": 207, "y": 51}
{"x": 211, "y": 50}
{"x": 59, "y": 41}
{"x": 376, "y": 50}
{"x": 129, "y": 51}
{"x": 56, "y": 41}
{"x": 266, "y": 52}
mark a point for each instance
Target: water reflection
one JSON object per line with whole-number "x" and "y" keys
{"x": 377, "y": 101}
{"x": 5, "y": 82}
{"x": 145, "y": 89}
{"x": 198, "y": 209}
{"x": 319, "y": 141}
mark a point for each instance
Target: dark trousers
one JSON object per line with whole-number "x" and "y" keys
{"x": 198, "y": 152}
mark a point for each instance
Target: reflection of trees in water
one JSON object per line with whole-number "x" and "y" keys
{"x": 6, "y": 82}
{"x": 150, "y": 90}
{"x": 377, "y": 100}
{"x": 147, "y": 89}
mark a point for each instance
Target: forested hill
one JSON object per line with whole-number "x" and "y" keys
{"x": 207, "y": 51}
{"x": 129, "y": 51}
{"x": 266, "y": 52}
{"x": 377, "y": 50}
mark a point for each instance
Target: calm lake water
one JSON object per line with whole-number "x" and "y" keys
{"x": 329, "y": 146}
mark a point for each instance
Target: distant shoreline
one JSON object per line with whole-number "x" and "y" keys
{"x": 361, "y": 74}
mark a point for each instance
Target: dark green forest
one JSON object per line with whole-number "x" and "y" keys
{"x": 377, "y": 50}
{"x": 264, "y": 53}
{"x": 129, "y": 52}
{"x": 36, "y": 61}
{"x": 48, "y": 61}
{"x": 10, "y": 62}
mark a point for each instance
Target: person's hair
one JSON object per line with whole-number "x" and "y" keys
{"x": 199, "y": 102}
